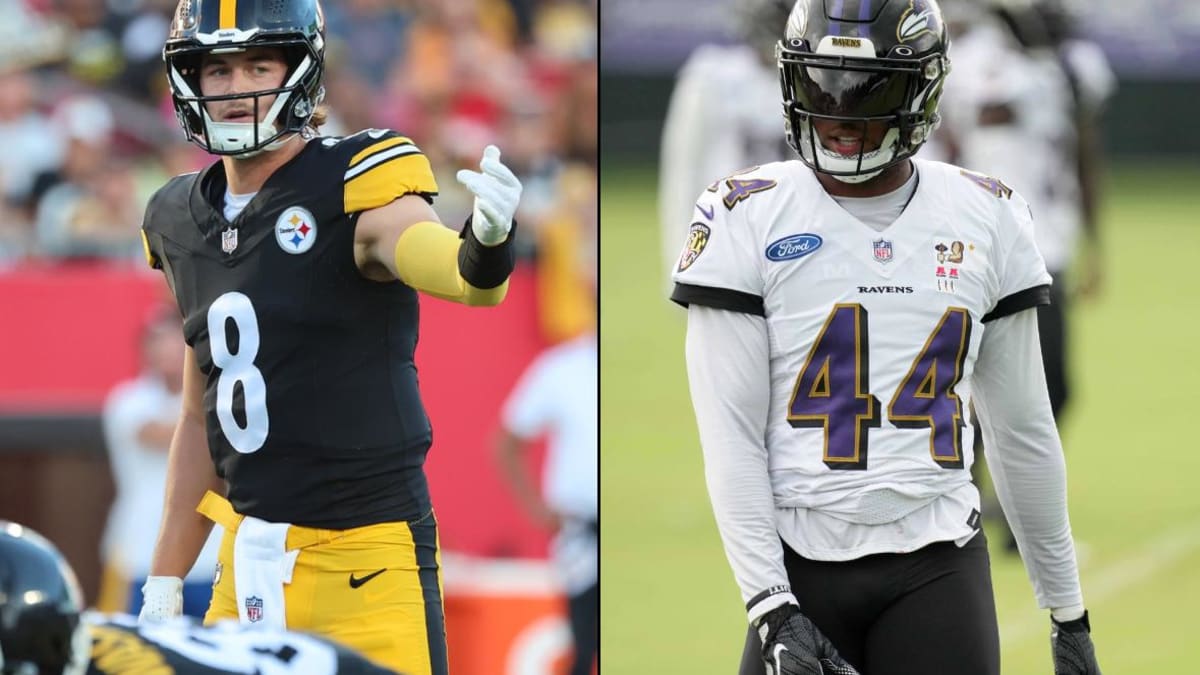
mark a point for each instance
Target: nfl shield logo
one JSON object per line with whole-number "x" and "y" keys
{"x": 254, "y": 609}
{"x": 229, "y": 240}
{"x": 883, "y": 250}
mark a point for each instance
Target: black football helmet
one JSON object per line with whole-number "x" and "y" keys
{"x": 222, "y": 26}
{"x": 40, "y": 627}
{"x": 861, "y": 61}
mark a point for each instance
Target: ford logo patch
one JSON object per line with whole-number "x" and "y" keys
{"x": 792, "y": 247}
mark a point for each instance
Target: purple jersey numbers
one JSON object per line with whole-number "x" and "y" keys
{"x": 832, "y": 390}
{"x": 716, "y": 185}
{"x": 740, "y": 190}
{"x": 926, "y": 398}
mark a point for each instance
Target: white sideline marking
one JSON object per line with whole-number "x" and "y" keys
{"x": 1113, "y": 578}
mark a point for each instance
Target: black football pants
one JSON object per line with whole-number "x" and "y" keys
{"x": 1052, "y": 330}
{"x": 929, "y": 612}
{"x": 584, "y": 614}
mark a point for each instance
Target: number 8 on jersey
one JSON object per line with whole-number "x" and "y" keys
{"x": 237, "y": 367}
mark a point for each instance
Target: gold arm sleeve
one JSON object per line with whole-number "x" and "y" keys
{"x": 427, "y": 260}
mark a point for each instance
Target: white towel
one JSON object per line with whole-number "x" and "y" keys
{"x": 261, "y": 566}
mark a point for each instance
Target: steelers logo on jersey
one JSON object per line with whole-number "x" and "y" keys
{"x": 296, "y": 230}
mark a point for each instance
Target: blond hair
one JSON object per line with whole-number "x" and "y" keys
{"x": 319, "y": 117}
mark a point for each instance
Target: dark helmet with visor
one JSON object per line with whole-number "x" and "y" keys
{"x": 40, "y": 626}
{"x": 200, "y": 27}
{"x": 854, "y": 62}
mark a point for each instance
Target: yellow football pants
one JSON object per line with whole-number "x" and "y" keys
{"x": 376, "y": 589}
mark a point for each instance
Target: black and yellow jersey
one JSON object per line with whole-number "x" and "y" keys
{"x": 181, "y": 647}
{"x": 313, "y": 413}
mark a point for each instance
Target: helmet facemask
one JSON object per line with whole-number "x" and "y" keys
{"x": 81, "y": 650}
{"x": 854, "y": 91}
{"x": 296, "y": 99}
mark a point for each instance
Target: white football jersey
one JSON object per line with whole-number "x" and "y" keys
{"x": 873, "y": 338}
{"x": 1037, "y": 150}
{"x": 725, "y": 114}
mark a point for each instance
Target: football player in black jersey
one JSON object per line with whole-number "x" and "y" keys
{"x": 42, "y": 630}
{"x": 296, "y": 261}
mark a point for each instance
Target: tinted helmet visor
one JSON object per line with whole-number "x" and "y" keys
{"x": 839, "y": 91}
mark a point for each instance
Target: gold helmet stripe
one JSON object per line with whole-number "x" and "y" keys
{"x": 228, "y": 14}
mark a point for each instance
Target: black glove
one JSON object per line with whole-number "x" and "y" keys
{"x": 1072, "y": 645}
{"x": 792, "y": 645}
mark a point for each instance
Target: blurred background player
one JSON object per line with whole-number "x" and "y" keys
{"x": 719, "y": 119}
{"x": 139, "y": 419}
{"x": 44, "y": 630}
{"x": 1025, "y": 103}
{"x": 556, "y": 398}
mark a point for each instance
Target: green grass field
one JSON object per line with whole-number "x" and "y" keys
{"x": 670, "y": 604}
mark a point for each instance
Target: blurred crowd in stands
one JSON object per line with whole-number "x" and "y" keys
{"x": 87, "y": 131}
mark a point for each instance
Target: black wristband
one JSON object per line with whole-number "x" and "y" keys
{"x": 1080, "y": 625}
{"x": 774, "y": 590}
{"x": 485, "y": 266}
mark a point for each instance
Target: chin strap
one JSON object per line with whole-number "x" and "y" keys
{"x": 247, "y": 134}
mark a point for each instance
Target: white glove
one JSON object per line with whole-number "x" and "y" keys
{"x": 497, "y": 192}
{"x": 162, "y": 599}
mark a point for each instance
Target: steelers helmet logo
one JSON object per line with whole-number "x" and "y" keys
{"x": 296, "y": 230}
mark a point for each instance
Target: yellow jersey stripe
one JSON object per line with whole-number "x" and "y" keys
{"x": 228, "y": 14}
{"x": 393, "y": 177}
{"x": 151, "y": 260}
{"x": 372, "y": 149}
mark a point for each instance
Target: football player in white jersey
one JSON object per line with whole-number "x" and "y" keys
{"x": 1025, "y": 102}
{"x": 44, "y": 630}
{"x": 715, "y": 123}
{"x": 842, "y": 311}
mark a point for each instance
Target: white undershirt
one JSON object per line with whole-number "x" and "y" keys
{"x": 235, "y": 203}
{"x": 881, "y": 211}
{"x": 731, "y": 396}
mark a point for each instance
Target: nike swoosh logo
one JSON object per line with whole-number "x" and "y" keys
{"x": 707, "y": 214}
{"x": 355, "y": 583}
{"x": 778, "y": 665}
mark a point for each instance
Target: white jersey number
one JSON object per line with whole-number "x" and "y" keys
{"x": 238, "y": 368}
